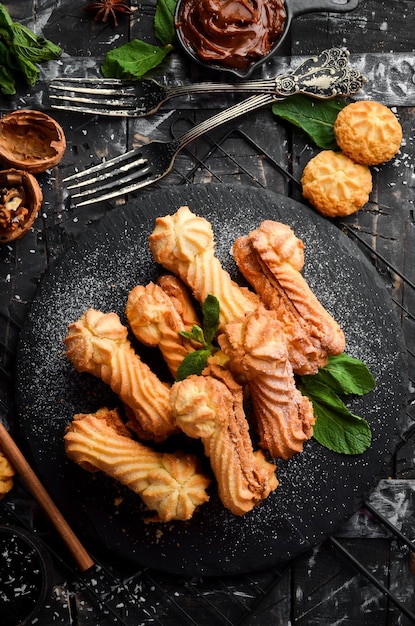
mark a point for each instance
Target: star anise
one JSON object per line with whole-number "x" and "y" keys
{"x": 106, "y": 9}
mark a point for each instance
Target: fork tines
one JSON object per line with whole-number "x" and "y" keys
{"x": 110, "y": 179}
{"x": 95, "y": 95}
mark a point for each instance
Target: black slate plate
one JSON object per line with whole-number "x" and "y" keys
{"x": 318, "y": 489}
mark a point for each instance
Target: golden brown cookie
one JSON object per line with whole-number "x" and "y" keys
{"x": 98, "y": 343}
{"x": 335, "y": 185}
{"x": 206, "y": 408}
{"x": 180, "y": 297}
{"x": 257, "y": 350}
{"x": 6, "y": 475}
{"x": 368, "y": 132}
{"x": 281, "y": 252}
{"x": 156, "y": 322}
{"x": 184, "y": 244}
{"x": 304, "y": 349}
{"x": 170, "y": 484}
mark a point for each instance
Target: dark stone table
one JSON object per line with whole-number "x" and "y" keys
{"x": 364, "y": 572}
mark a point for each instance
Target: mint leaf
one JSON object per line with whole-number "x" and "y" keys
{"x": 315, "y": 117}
{"x": 346, "y": 375}
{"x": 195, "y": 335}
{"x": 164, "y": 21}
{"x": 20, "y": 51}
{"x": 193, "y": 363}
{"x": 29, "y": 70}
{"x": 7, "y": 81}
{"x": 211, "y": 312}
{"x": 6, "y": 22}
{"x": 6, "y": 71}
{"x": 30, "y": 47}
{"x": 336, "y": 428}
{"x": 133, "y": 59}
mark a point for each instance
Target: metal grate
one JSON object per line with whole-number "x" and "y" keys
{"x": 119, "y": 593}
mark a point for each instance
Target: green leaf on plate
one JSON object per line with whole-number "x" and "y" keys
{"x": 193, "y": 363}
{"x": 133, "y": 59}
{"x": 196, "y": 334}
{"x": 315, "y": 117}
{"x": 211, "y": 311}
{"x": 336, "y": 428}
{"x": 346, "y": 375}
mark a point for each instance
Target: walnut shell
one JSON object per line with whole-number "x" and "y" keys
{"x": 18, "y": 180}
{"x": 31, "y": 141}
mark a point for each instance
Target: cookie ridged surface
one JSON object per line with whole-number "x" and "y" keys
{"x": 335, "y": 185}
{"x": 368, "y": 132}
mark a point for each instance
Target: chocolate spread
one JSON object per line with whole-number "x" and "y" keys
{"x": 231, "y": 33}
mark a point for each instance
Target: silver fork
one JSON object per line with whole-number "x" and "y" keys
{"x": 324, "y": 76}
{"x": 123, "y": 98}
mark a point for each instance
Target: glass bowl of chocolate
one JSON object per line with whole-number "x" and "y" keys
{"x": 237, "y": 36}
{"x": 20, "y": 201}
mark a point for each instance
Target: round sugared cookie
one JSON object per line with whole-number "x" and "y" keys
{"x": 368, "y": 132}
{"x": 335, "y": 185}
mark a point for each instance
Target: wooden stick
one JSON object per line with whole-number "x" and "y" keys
{"x": 16, "y": 458}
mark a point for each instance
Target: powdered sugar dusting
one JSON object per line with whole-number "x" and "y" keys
{"x": 99, "y": 272}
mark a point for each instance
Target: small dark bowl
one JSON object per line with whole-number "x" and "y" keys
{"x": 293, "y": 9}
{"x": 26, "y": 576}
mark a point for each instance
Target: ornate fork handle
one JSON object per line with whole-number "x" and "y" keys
{"x": 323, "y": 76}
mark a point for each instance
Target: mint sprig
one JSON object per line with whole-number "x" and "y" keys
{"x": 195, "y": 362}
{"x": 336, "y": 427}
{"x": 20, "y": 52}
{"x": 134, "y": 59}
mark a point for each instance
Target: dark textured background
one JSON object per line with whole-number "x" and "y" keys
{"x": 322, "y": 586}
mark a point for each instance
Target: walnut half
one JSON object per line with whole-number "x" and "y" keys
{"x": 20, "y": 201}
{"x": 30, "y": 140}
